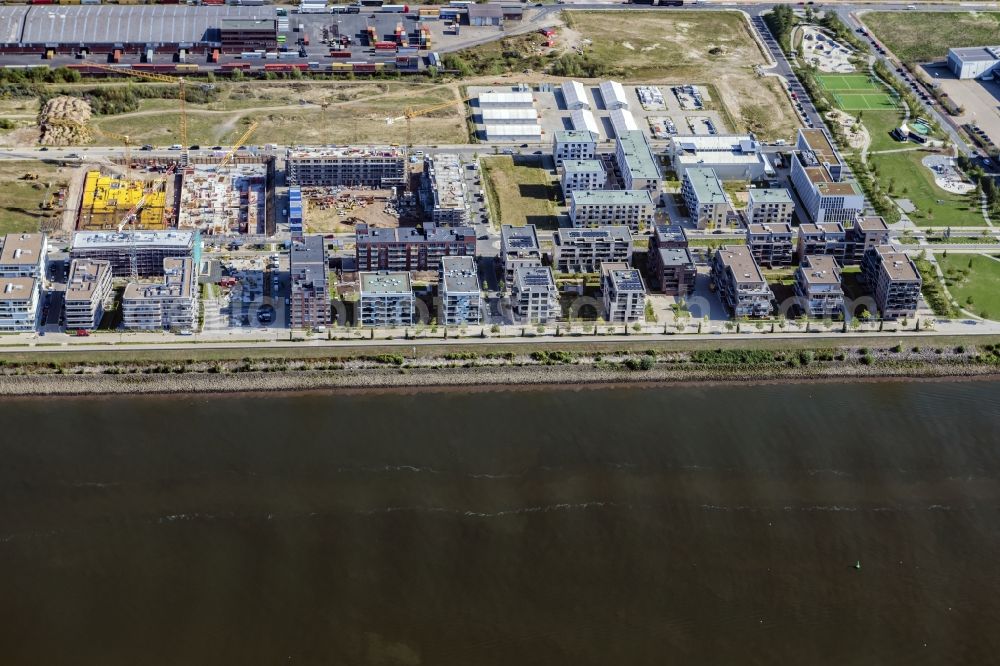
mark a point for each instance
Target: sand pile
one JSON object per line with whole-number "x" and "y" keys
{"x": 63, "y": 121}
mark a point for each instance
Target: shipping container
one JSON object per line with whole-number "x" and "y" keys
{"x": 396, "y": 9}
{"x": 340, "y": 54}
{"x": 385, "y": 46}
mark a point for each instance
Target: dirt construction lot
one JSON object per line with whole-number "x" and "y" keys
{"x": 712, "y": 48}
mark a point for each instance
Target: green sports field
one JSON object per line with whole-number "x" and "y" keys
{"x": 856, "y": 92}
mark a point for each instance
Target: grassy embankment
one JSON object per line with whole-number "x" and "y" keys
{"x": 974, "y": 281}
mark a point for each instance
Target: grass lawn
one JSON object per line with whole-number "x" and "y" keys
{"x": 879, "y": 124}
{"x": 20, "y": 199}
{"x": 976, "y": 277}
{"x": 521, "y": 193}
{"x": 927, "y": 36}
{"x": 912, "y": 180}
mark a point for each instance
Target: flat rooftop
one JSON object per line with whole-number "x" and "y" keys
{"x": 601, "y": 234}
{"x": 639, "y": 159}
{"x": 810, "y": 229}
{"x": 385, "y": 283}
{"x": 739, "y": 260}
{"x": 178, "y": 282}
{"x": 976, "y": 53}
{"x": 675, "y": 256}
{"x": 84, "y": 274}
{"x": 22, "y": 249}
{"x": 16, "y": 289}
{"x": 672, "y": 233}
{"x": 459, "y": 275}
{"x": 611, "y": 198}
{"x": 248, "y": 24}
{"x": 770, "y": 229}
{"x": 574, "y": 136}
{"x": 820, "y": 144}
{"x": 623, "y": 277}
{"x": 519, "y": 238}
{"x": 819, "y": 270}
{"x": 706, "y": 186}
{"x": 871, "y": 223}
{"x": 308, "y": 250}
{"x": 431, "y": 233}
{"x": 899, "y": 266}
{"x": 84, "y": 240}
{"x": 534, "y": 279}
{"x": 843, "y": 189}
{"x": 582, "y": 166}
{"x": 770, "y": 195}
{"x": 715, "y": 143}
{"x": 335, "y": 152}
{"x": 111, "y": 24}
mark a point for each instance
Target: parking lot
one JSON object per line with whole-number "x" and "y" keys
{"x": 980, "y": 99}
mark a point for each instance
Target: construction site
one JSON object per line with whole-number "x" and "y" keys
{"x": 107, "y": 201}
{"x": 220, "y": 199}
{"x": 340, "y": 209}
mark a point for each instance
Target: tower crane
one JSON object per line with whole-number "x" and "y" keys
{"x": 411, "y": 113}
{"x": 162, "y": 78}
{"x": 238, "y": 144}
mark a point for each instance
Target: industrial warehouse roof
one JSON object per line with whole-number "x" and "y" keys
{"x": 976, "y": 53}
{"x": 613, "y": 94}
{"x": 510, "y": 97}
{"x": 499, "y": 115}
{"x": 109, "y": 24}
{"x": 622, "y": 121}
{"x": 575, "y": 95}
{"x": 584, "y": 121}
{"x": 531, "y": 131}
{"x": 735, "y": 143}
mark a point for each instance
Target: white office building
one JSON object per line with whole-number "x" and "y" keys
{"x": 23, "y": 255}
{"x": 732, "y": 157}
{"x": 974, "y": 62}
{"x": 18, "y": 304}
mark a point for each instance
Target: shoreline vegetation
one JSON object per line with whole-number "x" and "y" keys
{"x": 540, "y": 368}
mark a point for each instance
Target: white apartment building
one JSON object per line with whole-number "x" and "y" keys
{"x": 518, "y": 247}
{"x": 574, "y": 145}
{"x": 600, "y": 208}
{"x": 88, "y": 293}
{"x": 386, "y": 299}
{"x": 624, "y": 293}
{"x": 582, "y": 175}
{"x": 770, "y": 206}
{"x": 18, "y": 304}
{"x": 534, "y": 295}
{"x": 459, "y": 291}
{"x": 171, "y": 304}
{"x": 818, "y": 290}
{"x": 637, "y": 163}
{"x": 817, "y": 173}
{"x": 445, "y": 193}
{"x": 706, "y": 201}
{"x": 23, "y": 255}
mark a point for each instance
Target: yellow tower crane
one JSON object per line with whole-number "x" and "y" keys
{"x": 238, "y": 144}
{"x": 411, "y": 113}
{"x": 162, "y": 78}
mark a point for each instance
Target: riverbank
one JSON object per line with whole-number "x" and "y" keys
{"x": 468, "y": 369}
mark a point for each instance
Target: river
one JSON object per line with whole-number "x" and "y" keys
{"x": 648, "y": 525}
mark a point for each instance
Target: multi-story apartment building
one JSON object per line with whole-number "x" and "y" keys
{"x": 573, "y": 145}
{"x": 309, "y": 302}
{"x": 637, "y": 163}
{"x": 171, "y": 304}
{"x": 624, "y": 292}
{"x": 867, "y": 232}
{"x": 23, "y": 255}
{"x": 818, "y": 289}
{"x": 600, "y": 208}
{"x": 150, "y": 247}
{"x": 669, "y": 236}
{"x": 584, "y": 250}
{"x": 582, "y": 175}
{"x": 770, "y": 206}
{"x": 88, "y": 293}
{"x": 18, "y": 304}
{"x": 828, "y": 239}
{"x": 817, "y": 175}
{"x": 673, "y": 270}
{"x": 346, "y": 166}
{"x": 893, "y": 279}
{"x": 518, "y": 247}
{"x": 706, "y": 201}
{"x": 386, "y": 299}
{"x": 444, "y": 192}
{"x": 770, "y": 244}
{"x": 459, "y": 292}
{"x": 740, "y": 284}
{"x": 533, "y": 294}
{"x": 410, "y": 249}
